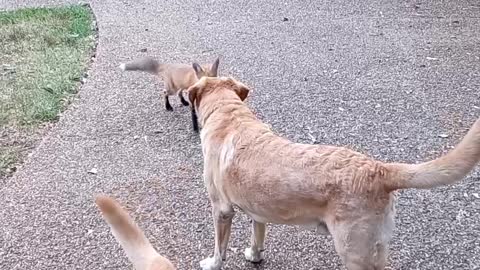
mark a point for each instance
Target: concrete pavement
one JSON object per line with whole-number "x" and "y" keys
{"x": 384, "y": 77}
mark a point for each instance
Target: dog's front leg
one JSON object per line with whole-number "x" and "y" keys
{"x": 222, "y": 220}
{"x": 255, "y": 252}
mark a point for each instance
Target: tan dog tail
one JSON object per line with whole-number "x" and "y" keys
{"x": 448, "y": 169}
{"x": 146, "y": 64}
{"x": 130, "y": 236}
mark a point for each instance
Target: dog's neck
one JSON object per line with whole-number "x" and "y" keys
{"x": 228, "y": 115}
{"x": 216, "y": 101}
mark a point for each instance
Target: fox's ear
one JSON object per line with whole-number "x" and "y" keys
{"x": 214, "y": 69}
{"x": 198, "y": 70}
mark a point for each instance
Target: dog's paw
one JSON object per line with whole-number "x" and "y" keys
{"x": 253, "y": 256}
{"x": 211, "y": 263}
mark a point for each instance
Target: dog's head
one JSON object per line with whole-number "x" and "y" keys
{"x": 207, "y": 70}
{"x": 211, "y": 89}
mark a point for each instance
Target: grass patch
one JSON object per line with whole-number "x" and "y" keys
{"x": 43, "y": 54}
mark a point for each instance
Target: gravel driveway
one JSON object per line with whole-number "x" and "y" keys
{"x": 399, "y": 80}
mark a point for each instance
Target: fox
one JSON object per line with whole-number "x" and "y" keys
{"x": 176, "y": 77}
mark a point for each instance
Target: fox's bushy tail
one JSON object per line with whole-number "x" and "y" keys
{"x": 146, "y": 64}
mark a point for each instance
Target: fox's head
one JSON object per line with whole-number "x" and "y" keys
{"x": 206, "y": 70}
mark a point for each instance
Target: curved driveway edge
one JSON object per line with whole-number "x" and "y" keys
{"x": 385, "y": 77}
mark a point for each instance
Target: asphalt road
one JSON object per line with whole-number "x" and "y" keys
{"x": 384, "y": 77}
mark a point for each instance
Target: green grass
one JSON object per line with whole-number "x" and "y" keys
{"x": 43, "y": 54}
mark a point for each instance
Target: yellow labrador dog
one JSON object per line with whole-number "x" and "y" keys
{"x": 131, "y": 238}
{"x": 274, "y": 180}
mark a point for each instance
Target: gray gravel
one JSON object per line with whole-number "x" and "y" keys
{"x": 384, "y": 77}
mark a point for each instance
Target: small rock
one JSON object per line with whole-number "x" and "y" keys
{"x": 341, "y": 109}
{"x": 233, "y": 249}
{"x": 378, "y": 106}
{"x": 432, "y": 58}
{"x": 461, "y": 214}
{"x": 93, "y": 171}
{"x": 285, "y": 19}
{"x": 7, "y": 67}
{"x": 443, "y": 135}
{"x": 11, "y": 170}
{"x": 136, "y": 137}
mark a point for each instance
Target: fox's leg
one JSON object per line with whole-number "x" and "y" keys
{"x": 168, "y": 90}
{"x": 167, "y": 104}
{"x": 180, "y": 96}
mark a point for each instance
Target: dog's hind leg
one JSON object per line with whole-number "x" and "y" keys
{"x": 255, "y": 252}
{"x": 361, "y": 243}
{"x": 222, "y": 218}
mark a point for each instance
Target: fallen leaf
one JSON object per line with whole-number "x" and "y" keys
{"x": 93, "y": 171}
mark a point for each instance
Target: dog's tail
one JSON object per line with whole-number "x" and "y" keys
{"x": 130, "y": 236}
{"x": 448, "y": 169}
{"x": 146, "y": 64}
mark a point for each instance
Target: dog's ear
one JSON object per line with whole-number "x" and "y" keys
{"x": 198, "y": 70}
{"x": 214, "y": 69}
{"x": 192, "y": 96}
{"x": 242, "y": 90}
